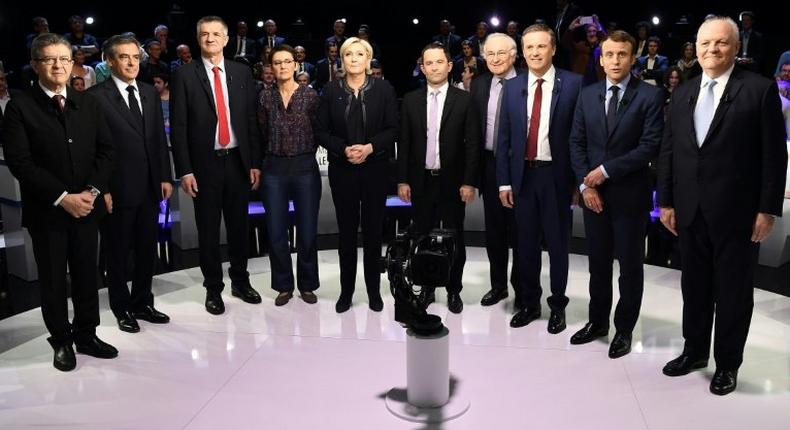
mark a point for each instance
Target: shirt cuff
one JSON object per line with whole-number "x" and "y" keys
{"x": 582, "y": 187}
{"x": 505, "y": 188}
{"x": 60, "y": 199}
{"x": 603, "y": 170}
{"x": 188, "y": 174}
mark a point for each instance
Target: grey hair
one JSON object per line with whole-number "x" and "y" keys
{"x": 493, "y": 36}
{"x": 726, "y": 19}
{"x": 44, "y": 40}
{"x": 211, "y": 18}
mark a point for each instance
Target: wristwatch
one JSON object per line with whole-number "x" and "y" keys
{"x": 94, "y": 192}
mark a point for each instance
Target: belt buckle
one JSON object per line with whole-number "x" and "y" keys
{"x": 434, "y": 172}
{"x": 221, "y": 152}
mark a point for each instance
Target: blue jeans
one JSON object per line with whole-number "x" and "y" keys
{"x": 296, "y": 179}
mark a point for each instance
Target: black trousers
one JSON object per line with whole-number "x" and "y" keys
{"x": 433, "y": 205}
{"x": 360, "y": 194}
{"x": 500, "y": 231}
{"x": 54, "y": 248}
{"x": 611, "y": 235}
{"x": 717, "y": 275}
{"x": 135, "y": 229}
{"x": 541, "y": 214}
{"x": 224, "y": 190}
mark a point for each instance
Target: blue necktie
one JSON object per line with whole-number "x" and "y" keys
{"x": 703, "y": 114}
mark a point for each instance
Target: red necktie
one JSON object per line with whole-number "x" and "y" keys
{"x": 222, "y": 117}
{"x": 534, "y": 123}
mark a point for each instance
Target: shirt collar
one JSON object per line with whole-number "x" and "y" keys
{"x": 721, "y": 79}
{"x": 122, "y": 85}
{"x": 210, "y": 67}
{"x": 510, "y": 75}
{"x": 51, "y": 93}
{"x": 622, "y": 85}
{"x": 547, "y": 77}
{"x": 442, "y": 89}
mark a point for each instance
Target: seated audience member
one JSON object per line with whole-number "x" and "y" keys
{"x": 466, "y": 59}
{"x": 783, "y": 59}
{"x": 642, "y": 34}
{"x": 784, "y": 72}
{"x": 338, "y": 33}
{"x": 326, "y": 69}
{"x": 452, "y": 42}
{"x": 750, "y": 54}
{"x": 241, "y": 47}
{"x": 672, "y": 79}
{"x": 169, "y": 46}
{"x": 301, "y": 61}
{"x": 364, "y": 34}
{"x": 469, "y": 73}
{"x": 376, "y": 70}
{"x": 479, "y": 38}
{"x": 40, "y": 26}
{"x": 270, "y": 39}
{"x": 688, "y": 64}
{"x": 78, "y": 37}
{"x": 80, "y": 69}
{"x": 184, "y": 57}
{"x": 651, "y": 67}
{"x": 154, "y": 65}
{"x": 161, "y": 82}
{"x": 585, "y": 53}
{"x": 303, "y": 78}
{"x": 77, "y": 83}
{"x": 264, "y": 76}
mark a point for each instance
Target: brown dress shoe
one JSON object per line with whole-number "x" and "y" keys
{"x": 283, "y": 298}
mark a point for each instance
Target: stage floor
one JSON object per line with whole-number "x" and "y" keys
{"x": 305, "y": 367}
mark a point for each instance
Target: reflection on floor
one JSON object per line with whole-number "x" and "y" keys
{"x": 303, "y": 366}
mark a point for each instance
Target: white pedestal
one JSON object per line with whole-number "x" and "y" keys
{"x": 428, "y": 398}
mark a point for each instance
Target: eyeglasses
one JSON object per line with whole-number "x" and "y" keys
{"x": 49, "y": 61}
{"x": 498, "y": 54}
{"x": 279, "y": 63}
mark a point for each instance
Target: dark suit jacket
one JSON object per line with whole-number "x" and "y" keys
{"x": 512, "y": 136}
{"x": 660, "y": 66}
{"x": 144, "y": 159}
{"x": 380, "y": 115}
{"x": 322, "y": 72}
{"x": 309, "y": 68}
{"x": 263, "y": 42}
{"x": 251, "y": 52}
{"x": 625, "y": 151}
{"x": 740, "y": 168}
{"x": 193, "y": 117}
{"x": 49, "y": 153}
{"x": 452, "y": 42}
{"x": 459, "y": 140}
{"x": 458, "y": 68}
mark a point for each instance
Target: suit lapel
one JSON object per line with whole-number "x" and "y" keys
{"x": 422, "y": 108}
{"x": 203, "y": 77}
{"x": 600, "y": 107}
{"x": 630, "y": 93}
{"x": 694, "y": 90}
{"x": 555, "y": 94}
{"x": 116, "y": 100}
{"x": 730, "y": 91}
{"x": 448, "y": 106}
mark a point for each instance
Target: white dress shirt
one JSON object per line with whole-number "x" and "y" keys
{"x": 718, "y": 90}
{"x": 440, "y": 99}
{"x": 125, "y": 94}
{"x": 544, "y": 149}
{"x": 223, "y": 78}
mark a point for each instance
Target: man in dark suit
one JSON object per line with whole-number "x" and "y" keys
{"x": 479, "y": 38}
{"x": 486, "y": 91}
{"x": 438, "y": 156}
{"x": 451, "y": 42}
{"x": 616, "y": 133}
{"x": 59, "y": 148}
{"x": 750, "y": 53}
{"x": 140, "y": 180}
{"x": 534, "y": 172}
{"x": 216, "y": 146}
{"x": 302, "y": 65}
{"x": 721, "y": 178}
{"x": 338, "y": 34}
{"x": 270, "y": 39}
{"x": 327, "y": 67}
{"x": 242, "y": 48}
{"x": 651, "y": 67}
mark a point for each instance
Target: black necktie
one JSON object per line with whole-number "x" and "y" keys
{"x": 611, "y": 112}
{"x": 134, "y": 106}
{"x": 60, "y": 102}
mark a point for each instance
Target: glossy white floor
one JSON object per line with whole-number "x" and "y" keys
{"x": 305, "y": 367}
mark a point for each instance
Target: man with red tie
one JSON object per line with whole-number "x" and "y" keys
{"x": 216, "y": 145}
{"x": 534, "y": 173}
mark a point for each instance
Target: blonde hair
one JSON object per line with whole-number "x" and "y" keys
{"x": 365, "y": 46}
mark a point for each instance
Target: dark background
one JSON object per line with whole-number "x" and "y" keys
{"x": 390, "y": 21}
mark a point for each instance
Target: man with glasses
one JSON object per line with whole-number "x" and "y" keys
{"x": 59, "y": 148}
{"x": 217, "y": 154}
{"x": 486, "y": 91}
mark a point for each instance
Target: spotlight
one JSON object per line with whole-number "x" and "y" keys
{"x": 259, "y": 24}
{"x": 494, "y": 21}
{"x": 89, "y": 20}
{"x": 415, "y": 21}
{"x": 343, "y": 19}
{"x": 656, "y": 20}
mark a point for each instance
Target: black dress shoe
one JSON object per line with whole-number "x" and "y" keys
{"x": 245, "y": 293}
{"x": 493, "y": 297}
{"x": 621, "y": 345}
{"x": 343, "y": 303}
{"x": 64, "y": 358}
{"x": 454, "y": 303}
{"x": 556, "y": 322}
{"x": 724, "y": 382}
{"x": 309, "y": 297}
{"x": 127, "y": 322}
{"x": 150, "y": 314}
{"x": 684, "y": 364}
{"x": 95, "y": 347}
{"x": 426, "y": 297}
{"x": 589, "y": 333}
{"x": 214, "y": 303}
{"x": 524, "y": 317}
{"x": 283, "y": 298}
{"x": 375, "y": 303}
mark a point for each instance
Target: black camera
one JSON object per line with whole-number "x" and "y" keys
{"x": 423, "y": 260}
